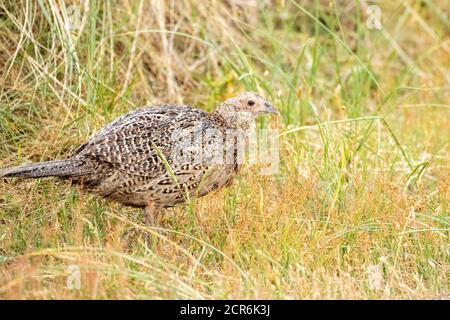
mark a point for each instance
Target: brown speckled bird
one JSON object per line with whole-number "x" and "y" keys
{"x": 158, "y": 156}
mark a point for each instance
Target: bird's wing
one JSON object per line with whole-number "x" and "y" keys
{"x": 142, "y": 141}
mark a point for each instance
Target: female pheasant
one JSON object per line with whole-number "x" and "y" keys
{"x": 159, "y": 156}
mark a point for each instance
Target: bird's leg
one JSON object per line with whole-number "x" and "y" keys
{"x": 151, "y": 214}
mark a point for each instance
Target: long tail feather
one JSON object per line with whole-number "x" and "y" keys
{"x": 57, "y": 168}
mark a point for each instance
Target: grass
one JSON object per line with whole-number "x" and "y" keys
{"x": 359, "y": 208}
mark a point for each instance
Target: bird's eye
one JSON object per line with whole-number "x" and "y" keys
{"x": 250, "y": 102}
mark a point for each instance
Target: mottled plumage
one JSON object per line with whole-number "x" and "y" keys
{"x": 157, "y": 156}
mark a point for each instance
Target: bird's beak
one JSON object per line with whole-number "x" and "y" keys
{"x": 268, "y": 108}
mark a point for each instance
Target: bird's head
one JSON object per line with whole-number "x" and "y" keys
{"x": 244, "y": 107}
{"x": 251, "y": 102}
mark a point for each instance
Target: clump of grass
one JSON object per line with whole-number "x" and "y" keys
{"x": 359, "y": 208}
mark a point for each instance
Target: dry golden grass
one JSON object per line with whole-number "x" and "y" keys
{"x": 359, "y": 208}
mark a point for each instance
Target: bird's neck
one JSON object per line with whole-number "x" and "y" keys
{"x": 226, "y": 116}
